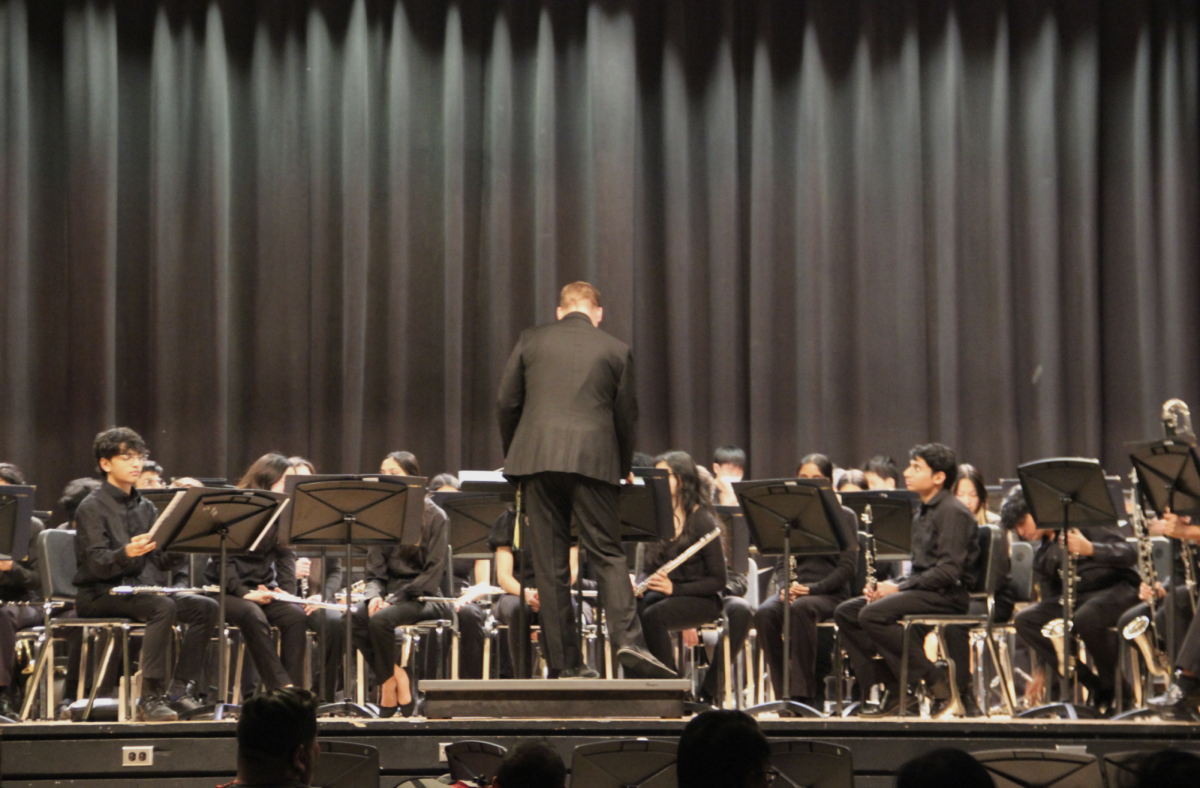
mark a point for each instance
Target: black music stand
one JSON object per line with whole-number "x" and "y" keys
{"x": 889, "y": 522}
{"x": 16, "y": 517}
{"x": 645, "y": 507}
{"x": 217, "y": 522}
{"x": 739, "y": 537}
{"x": 791, "y": 516}
{"x": 1065, "y": 493}
{"x": 349, "y": 510}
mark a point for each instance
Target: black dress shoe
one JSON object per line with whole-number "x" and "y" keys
{"x": 581, "y": 672}
{"x": 185, "y": 703}
{"x": 1179, "y": 702}
{"x": 938, "y": 680}
{"x": 155, "y": 708}
{"x": 642, "y": 664}
{"x": 7, "y": 709}
{"x": 388, "y": 711}
{"x": 970, "y": 706}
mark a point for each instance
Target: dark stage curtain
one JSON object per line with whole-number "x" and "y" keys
{"x": 824, "y": 226}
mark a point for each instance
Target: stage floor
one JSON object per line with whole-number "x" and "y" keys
{"x": 202, "y": 754}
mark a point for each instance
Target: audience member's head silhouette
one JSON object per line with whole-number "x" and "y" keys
{"x": 531, "y": 764}
{"x": 1169, "y": 769}
{"x": 948, "y": 768}
{"x": 723, "y": 749}
{"x": 277, "y": 738}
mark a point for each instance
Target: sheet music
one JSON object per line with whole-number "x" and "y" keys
{"x": 166, "y": 513}
{"x": 263, "y": 534}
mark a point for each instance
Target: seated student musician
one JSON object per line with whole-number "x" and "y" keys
{"x": 945, "y": 554}
{"x": 1105, "y": 587}
{"x": 728, "y": 468}
{"x": 882, "y": 473}
{"x": 251, "y": 584}
{"x": 1181, "y": 701}
{"x": 853, "y": 480}
{"x": 971, "y": 490}
{"x": 19, "y": 583}
{"x": 396, "y": 579}
{"x": 327, "y": 623}
{"x": 690, "y": 594}
{"x": 151, "y": 477}
{"x": 738, "y": 612}
{"x": 818, "y": 584}
{"x": 509, "y": 576}
{"x": 112, "y": 547}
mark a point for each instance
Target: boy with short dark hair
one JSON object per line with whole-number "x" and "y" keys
{"x": 112, "y": 547}
{"x": 945, "y": 554}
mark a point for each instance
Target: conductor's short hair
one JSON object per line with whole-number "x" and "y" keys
{"x": 576, "y": 293}
{"x": 274, "y": 724}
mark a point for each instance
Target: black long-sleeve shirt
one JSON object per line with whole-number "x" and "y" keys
{"x": 1110, "y": 565}
{"x": 274, "y": 568}
{"x": 22, "y": 582}
{"x": 945, "y": 546}
{"x": 410, "y": 571}
{"x": 704, "y": 573}
{"x": 828, "y": 574}
{"x": 105, "y": 522}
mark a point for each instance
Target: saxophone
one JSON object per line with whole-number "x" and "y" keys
{"x": 1142, "y": 629}
{"x": 869, "y": 553}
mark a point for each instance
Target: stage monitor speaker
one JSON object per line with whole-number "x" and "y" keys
{"x": 474, "y": 762}
{"x": 344, "y": 764}
{"x": 1040, "y": 769}
{"x": 813, "y": 764}
{"x": 637, "y": 763}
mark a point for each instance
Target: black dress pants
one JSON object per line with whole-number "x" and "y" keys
{"x": 375, "y": 635}
{"x": 330, "y": 628}
{"x": 869, "y": 629}
{"x": 551, "y": 499}
{"x": 156, "y": 612}
{"x": 806, "y": 613}
{"x": 739, "y": 614}
{"x": 14, "y": 618}
{"x": 1095, "y": 613}
{"x": 662, "y": 615}
{"x": 470, "y": 629}
{"x": 255, "y": 622}
{"x": 201, "y": 614}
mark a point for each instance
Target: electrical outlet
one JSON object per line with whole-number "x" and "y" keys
{"x": 442, "y": 752}
{"x": 142, "y": 755}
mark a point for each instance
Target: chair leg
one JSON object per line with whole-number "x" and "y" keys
{"x": 1003, "y": 662}
{"x": 903, "y": 668}
{"x": 96, "y": 677}
{"x": 44, "y": 652}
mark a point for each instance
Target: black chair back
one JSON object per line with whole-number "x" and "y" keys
{"x": 56, "y": 564}
{"x": 624, "y": 764}
{"x": 986, "y": 571}
{"x": 813, "y": 764}
{"x": 346, "y": 764}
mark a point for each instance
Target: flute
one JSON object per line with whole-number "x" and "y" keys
{"x": 284, "y": 596}
{"x": 162, "y": 590}
{"x": 678, "y": 561}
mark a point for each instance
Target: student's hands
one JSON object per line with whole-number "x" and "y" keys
{"x": 662, "y": 584}
{"x": 531, "y": 599}
{"x": 303, "y": 568}
{"x": 1178, "y": 527}
{"x": 309, "y": 609}
{"x": 6, "y": 566}
{"x": 1078, "y": 543}
{"x": 881, "y": 590}
{"x": 1144, "y": 592}
{"x": 795, "y": 592}
{"x": 139, "y": 545}
{"x": 262, "y": 595}
{"x": 691, "y": 638}
{"x": 375, "y": 605}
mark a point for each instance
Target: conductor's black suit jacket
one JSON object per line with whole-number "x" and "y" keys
{"x": 568, "y": 403}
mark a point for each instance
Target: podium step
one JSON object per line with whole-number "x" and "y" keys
{"x": 556, "y": 698}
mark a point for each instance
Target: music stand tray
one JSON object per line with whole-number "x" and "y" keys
{"x": 217, "y": 521}
{"x": 1065, "y": 493}
{"x": 349, "y": 510}
{"x": 787, "y": 516}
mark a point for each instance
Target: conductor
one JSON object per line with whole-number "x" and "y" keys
{"x": 568, "y": 418}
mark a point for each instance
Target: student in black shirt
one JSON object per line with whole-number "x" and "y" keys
{"x": 690, "y": 595}
{"x": 19, "y": 582}
{"x": 396, "y": 579}
{"x": 822, "y": 582}
{"x": 945, "y": 554}
{"x": 1181, "y": 701}
{"x": 113, "y": 547}
{"x": 251, "y": 582}
{"x": 1106, "y": 586}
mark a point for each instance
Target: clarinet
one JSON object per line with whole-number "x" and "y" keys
{"x": 1136, "y": 630}
{"x": 869, "y": 553}
{"x": 678, "y": 561}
